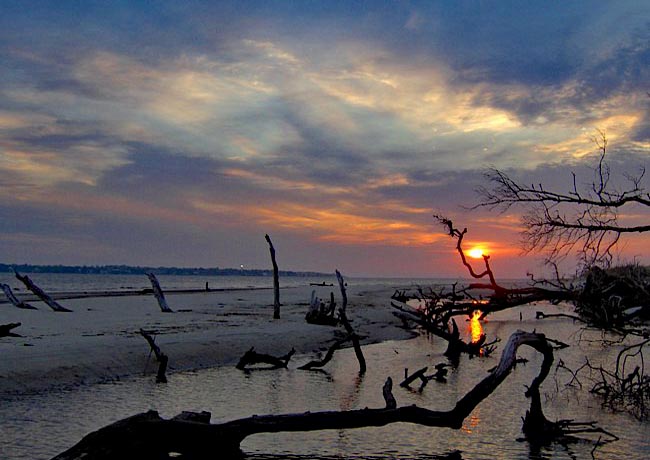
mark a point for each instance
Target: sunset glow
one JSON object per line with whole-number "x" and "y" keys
{"x": 163, "y": 148}
{"x": 476, "y": 329}
{"x": 476, "y": 253}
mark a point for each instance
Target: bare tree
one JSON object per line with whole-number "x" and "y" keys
{"x": 587, "y": 219}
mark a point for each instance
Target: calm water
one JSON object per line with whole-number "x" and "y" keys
{"x": 92, "y": 283}
{"x": 40, "y": 426}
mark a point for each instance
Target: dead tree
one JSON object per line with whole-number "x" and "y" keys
{"x": 158, "y": 293}
{"x": 348, "y": 327}
{"x": 276, "y": 280}
{"x": 14, "y": 300}
{"x": 147, "y": 435}
{"x": 251, "y": 357}
{"x": 161, "y": 357}
{"x": 29, "y": 284}
{"x": 586, "y": 219}
{"x": 5, "y": 330}
{"x": 447, "y": 329}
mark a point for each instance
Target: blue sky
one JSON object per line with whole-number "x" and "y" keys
{"x": 179, "y": 133}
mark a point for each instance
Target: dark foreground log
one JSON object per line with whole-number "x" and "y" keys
{"x": 29, "y": 284}
{"x": 5, "y": 330}
{"x": 158, "y": 293}
{"x": 14, "y": 300}
{"x": 147, "y": 436}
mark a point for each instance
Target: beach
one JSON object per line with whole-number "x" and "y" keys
{"x": 100, "y": 341}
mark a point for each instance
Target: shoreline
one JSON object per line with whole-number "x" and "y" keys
{"x": 99, "y": 340}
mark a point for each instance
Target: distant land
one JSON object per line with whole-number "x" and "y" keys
{"x": 131, "y": 270}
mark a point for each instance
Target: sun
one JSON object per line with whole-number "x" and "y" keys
{"x": 476, "y": 253}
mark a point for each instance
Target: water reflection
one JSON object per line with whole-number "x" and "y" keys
{"x": 475, "y": 327}
{"x": 40, "y": 426}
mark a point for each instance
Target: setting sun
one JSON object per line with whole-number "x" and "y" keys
{"x": 476, "y": 253}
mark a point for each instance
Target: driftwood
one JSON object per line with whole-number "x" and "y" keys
{"x": 29, "y": 284}
{"x": 319, "y": 313}
{"x": 348, "y": 327}
{"x": 276, "y": 280}
{"x": 14, "y": 300}
{"x": 161, "y": 357}
{"x": 158, "y": 293}
{"x": 439, "y": 375}
{"x": 447, "y": 331}
{"x": 148, "y": 436}
{"x": 328, "y": 356}
{"x": 5, "y": 330}
{"x": 251, "y": 357}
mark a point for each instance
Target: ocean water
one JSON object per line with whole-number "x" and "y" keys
{"x": 69, "y": 282}
{"x": 39, "y": 426}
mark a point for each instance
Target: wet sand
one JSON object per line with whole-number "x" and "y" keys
{"x": 99, "y": 340}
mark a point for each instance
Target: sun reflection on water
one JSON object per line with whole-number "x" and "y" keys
{"x": 475, "y": 327}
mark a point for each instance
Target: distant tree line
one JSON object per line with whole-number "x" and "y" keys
{"x": 137, "y": 270}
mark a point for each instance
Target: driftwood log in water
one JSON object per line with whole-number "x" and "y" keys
{"x": 148, "y": 436}
{"x": 29, "y": 284}
{"x": 158, "y": 293}
{"x": 251, "y": 358}
{"x": 5, "y": 330}
{"x": 161, "y": 357}
{"x": 14, "y": 300}
{"x": 276, "y": 280}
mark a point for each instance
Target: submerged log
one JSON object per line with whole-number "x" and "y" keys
{"x": 5, "y": 330}
{"x": 161, "y": 357}
{"x": 149, "y": 436}
{"x": 29, "y": 284}
{"x": 14, "y": 300}
{"x": 328, "y": 356}
{"x": 276, "y": 281}
{"x": 158, "y": 293}
{"x": 251, "y": 357}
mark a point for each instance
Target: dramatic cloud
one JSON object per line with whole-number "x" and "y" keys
{"x": 129, "y": 132}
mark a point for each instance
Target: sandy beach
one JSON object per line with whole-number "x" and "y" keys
{"x": 99, "y": 340}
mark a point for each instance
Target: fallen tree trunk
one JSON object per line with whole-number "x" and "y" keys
{"x": 5, "y": 330}
{"x": 29, "y": 284}
{"x": 158, "y": 293}
{"x": 14, "y": 300}
{"x": 147, "y": 435}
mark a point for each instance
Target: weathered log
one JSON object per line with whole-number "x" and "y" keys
{"x": 5, "y": 330}
{"x": 29, "y": 284}
{"x": 161, "y": 357}
{"x": 14, "y": 300}
{"x": 158, "y": 293}
{"x": 147, "y": 435}
{"x": 251, "y": 357}
{"x": 276, "y": 280}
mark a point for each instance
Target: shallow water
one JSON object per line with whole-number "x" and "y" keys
{"x": 70, "y": 282}
{"x": 40, "y": 426}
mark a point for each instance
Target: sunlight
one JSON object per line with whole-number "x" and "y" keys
{"x": 476, "y": 252}
{"x": 475, "y": 326}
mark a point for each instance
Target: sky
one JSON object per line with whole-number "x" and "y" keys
{"x": 179, "y": 133}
